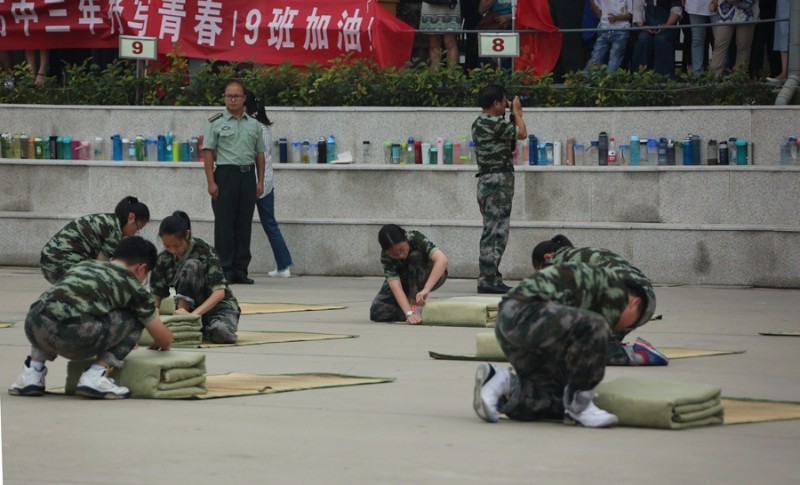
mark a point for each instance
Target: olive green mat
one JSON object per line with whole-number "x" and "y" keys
{"x": 254, "y": 308}
{"x": 256, "y": 338}
{"x": 6, "y": 324}
{"x": 739, "y": 410}
{"x": 670, "y": 352}
{"x": 781, "y": 334}
{"x": 243, "y": 384}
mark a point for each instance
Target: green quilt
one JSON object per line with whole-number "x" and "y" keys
{"x": 660, "y": 404}
{"x": 464, "y": 311}
{"x": 186, "y": 331}
{"x": 151, "y": 374}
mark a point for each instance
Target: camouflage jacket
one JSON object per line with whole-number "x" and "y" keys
{"x": 94, "y": 288}
{"x": 86, "y": 237}
{"x": 167, "y": 266}
{"x": 493, "y": 137}
{"x": 398, "y": 269}
{"x": 598, "y": 257}
{"x": 577, "y": 285}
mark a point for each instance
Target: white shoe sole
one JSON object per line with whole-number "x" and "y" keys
{"x": 86, "y": 391}
{"x": 481, "y": 376}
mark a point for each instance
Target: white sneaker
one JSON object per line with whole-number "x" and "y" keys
{"x": 276, "y": 273}
{"x": 30, "y": 382}
{"x": 97, "y": 385}
{"x": 591, "y": 417}
{"x": 490, "y": 385}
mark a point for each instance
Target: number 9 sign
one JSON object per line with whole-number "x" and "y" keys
{"x": 498, "y": 44}
{"x": 132, "y": 47}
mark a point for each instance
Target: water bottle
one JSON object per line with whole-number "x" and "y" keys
{"x": 533, "y": 150}
{"x": 624, "y": 156}
{"x": 330, "y": 154}
{"x": 66, "y": 148}
{"x": 176, "y": 151}
{"x": 404, "y": 153}
{"x": 32, "y": 147}
{"x": 99, "y": 149}
{"x": 793, "y": 149}
{"x": 425, "y": 148}
{"x": 161, "y": 149}
{"x": 283, "y": 150}
{"x": 169, "y": 138}
{"x": 579, "y": 155}
{"x": 195, "y": 146}
{"x": 723, "y": 152}
{"x": 612, "y": 152}
{"x": 85, "y": 151}
{"x": 152, "y": 149}
{"x": 570, "y": 151}
{"x": 139, "y": 148}
{"x": 785, "y": 157}
{"x": 591, "y": 153}
{"x": 38, "y": 148}
{"x": 741, "y": 152}
{"x": 688, "y": 151}
{"x": 74, "y": 149}
{"x": 548, "y": 153}
{"x": 542, "y": 154}
{"x": 365, "y": 151}
{"x": 305, "y": 152}
{"x": 662, "y": 151}
{"x": 471, "y": 152}
{"x": 433, "y": 156}
{"x": 652, "y": 151}
{"x": 678, "y": 153}
{"x": 296, "y": 151}
{"x": 695, "y": 149}
{"x": 463, "y": 150}
{"x": 712, "y": 152}
{"x": 670, "y": 152}
{"x": 634, "y": 150}
{"x": 448, "y": 153}
{"x": 417, "y": 153}
{"x": 186, "y": 151}
{"x": 456, "y": 150}
{"x": 602, "y": 148}
{"x": 387, "y": 152}
{"x": 751, "y": 151}
{"x": 410, "y": 150}
{"x": 322, "y": 150}
{"x": 556, "y": 153}
{"x": 439, "y": 151}
{"x": 732, "y": 149}
{"x": 395, "y": 158}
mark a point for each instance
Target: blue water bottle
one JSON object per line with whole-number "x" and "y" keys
{"x": 634, "y": 150}
{"x": 741, "y": 151}
{"x": 162, "y": 148}
{"x": 116, "y": 148}
{"x": 533, "y": 150}
{"x": 331, "y": 149}
{"x": 169, "y": 139}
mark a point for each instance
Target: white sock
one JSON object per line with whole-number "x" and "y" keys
{"x": 37, "y": 366}
{"x": 97, "y": 368}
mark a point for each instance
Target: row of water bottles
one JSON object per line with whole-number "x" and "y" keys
{"x": 664, "y": 151}
{"x": 322, "y": 151}
{"x": 162, "y": 148}
{"x": 439, "y": 151}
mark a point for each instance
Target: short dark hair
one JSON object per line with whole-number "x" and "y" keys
{"x": 636, "y": 289}
{"x": 489, "y": 94}
{"x": 236, "y": 81}
{"x": 391, "y": 234}
{"x": 550, "y": 246}
{"x": 136, "y": 250}
{"x": 131, "y": 204}
{"x": 178, "y": 224}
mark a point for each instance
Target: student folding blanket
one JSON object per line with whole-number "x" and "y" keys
{"x": 660, "y": 404}
{"x": 462, "y": 311}
{"x": 186, "y": 331}
{"x": 151, "y": 374}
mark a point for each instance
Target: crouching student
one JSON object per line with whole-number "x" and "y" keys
{"x": 554, "y": 327}
{"x": 191, "y": 266}
{"x": 97, "y": 310}
{"x": 94, "y": 236}
{"x": 414, "y": 267}
{"x": 559, "y": 250}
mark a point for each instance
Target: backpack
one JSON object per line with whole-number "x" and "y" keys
{"x": 450, "y": 3}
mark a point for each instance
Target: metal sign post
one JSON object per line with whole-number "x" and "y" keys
{"x": 141, "y": 49}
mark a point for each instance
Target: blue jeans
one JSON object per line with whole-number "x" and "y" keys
{"x": 609, "y": 44}
{"x": 266, "y": 214}
{"x": 699, "y": 41}
{"x": 656, "y": 51}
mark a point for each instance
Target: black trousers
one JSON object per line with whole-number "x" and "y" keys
{"x": 233, "y": 217}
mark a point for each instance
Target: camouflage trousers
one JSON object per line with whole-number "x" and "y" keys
{"x": 495, "y": 194}
{"x": 385, "y": 308}
{"x": 108, "y": 338}
{"x": 558, "y": 354}
{"x": 221, "y": 322}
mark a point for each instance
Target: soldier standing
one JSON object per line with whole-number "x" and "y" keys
{"x": 554, "y": 328}
{"x": 494, "y": 138}
{"x": 233, "y": 153}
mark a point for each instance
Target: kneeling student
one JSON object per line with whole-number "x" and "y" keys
{"x": 96, "y": 310}
{"x": 414, "y": 267}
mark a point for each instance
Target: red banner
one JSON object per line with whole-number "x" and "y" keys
{"x": 260, "y": 31}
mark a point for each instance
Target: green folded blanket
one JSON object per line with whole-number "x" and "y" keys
{"x": 151, "y": 374}
{"x": 660, "y": 404}
{"x": 186, "y": 331}
{"x": 462, "y": 311}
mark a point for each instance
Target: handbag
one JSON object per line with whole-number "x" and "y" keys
{"x": 492, "y": 21}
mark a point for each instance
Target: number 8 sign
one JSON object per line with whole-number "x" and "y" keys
{"x": 132, "y": 47}
{"x": 498, "y": 44}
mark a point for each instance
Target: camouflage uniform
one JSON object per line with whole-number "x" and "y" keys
{"x": 195, "y": 276}
{"x": 86, "y": 237}
{"x": 412, "y": 272}
{"x": 97, "y": 310}
{"x": 493, "y": 138}
{"x": 618, "y": 352}
{"x": 554, "y": 329}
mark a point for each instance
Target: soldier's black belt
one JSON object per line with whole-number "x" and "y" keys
{"x": 238, "y": 168}
{"x": 491, "y": 170}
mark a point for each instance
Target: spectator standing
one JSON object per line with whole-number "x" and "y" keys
{"x": 781, "y": 42}
{"x": 655, "y": 48}
{"x": 728, "y": 13}
{"x": 39, "y": 62}
{"x": 615, "y": 20}
{"x": 568, "y": 14}
{"x": 699, "y": 13}
{"x": 446, "y": 19}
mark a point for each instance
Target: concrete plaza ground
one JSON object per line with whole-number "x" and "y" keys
{"x": 417, "y": 429}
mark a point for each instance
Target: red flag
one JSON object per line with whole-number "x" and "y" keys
{"x": 537, "y": 51}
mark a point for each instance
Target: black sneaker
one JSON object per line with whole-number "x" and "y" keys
{"x": 495, "y": 289}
